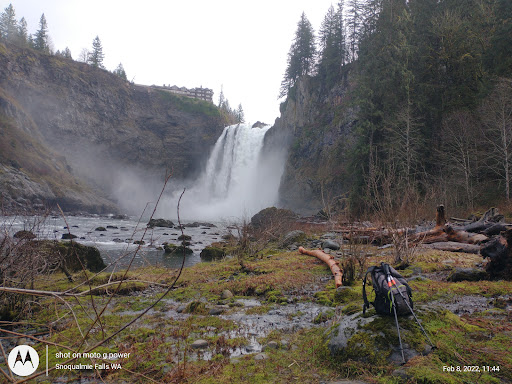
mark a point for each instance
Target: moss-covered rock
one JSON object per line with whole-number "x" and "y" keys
{"x": 24, "y": 235}
{"x": 160, "y": 223}
{"x": 177, "y": 249}
{"x": 374, "y": 339}
{"x": 211, "y": 253}
{"x": 296, "y": 236}
{"x": 69, "y": 255}
{"x": 345, "y": 294}
{"x": 467, "y": 274}
{"x": 74, "y": 255}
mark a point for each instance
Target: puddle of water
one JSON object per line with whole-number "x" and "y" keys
{"x": 251, "y": 327}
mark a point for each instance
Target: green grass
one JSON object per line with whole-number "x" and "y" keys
{"x": 160, "y": 343}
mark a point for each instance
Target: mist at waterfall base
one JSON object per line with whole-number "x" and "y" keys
{"x": 238, "y": 180}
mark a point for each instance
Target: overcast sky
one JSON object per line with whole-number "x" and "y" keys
{"x": 239, "y": 44}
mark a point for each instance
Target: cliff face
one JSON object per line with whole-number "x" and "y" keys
{"x": 94, "y": 125}
{"x": 316, "y": 127}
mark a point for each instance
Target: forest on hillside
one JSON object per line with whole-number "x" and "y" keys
{"x": 431, "y": 85}
{"x": 15, "y": 32}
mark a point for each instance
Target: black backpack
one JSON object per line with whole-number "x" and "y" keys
{"x": 387, "y": 290}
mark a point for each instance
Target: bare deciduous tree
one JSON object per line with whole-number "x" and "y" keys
{"x": 460, "y": 152}
{"x": 496, "y": 114}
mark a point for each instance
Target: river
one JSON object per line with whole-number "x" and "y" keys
{"x": 117, "y": 240}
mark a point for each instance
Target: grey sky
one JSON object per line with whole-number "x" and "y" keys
{"x": 242, "y": 45}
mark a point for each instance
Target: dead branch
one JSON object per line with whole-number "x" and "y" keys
{"x": 327, "y": 259}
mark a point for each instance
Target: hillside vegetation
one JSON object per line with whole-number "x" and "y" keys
{"x": 409, "y": 105}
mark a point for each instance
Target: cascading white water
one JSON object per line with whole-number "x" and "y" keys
{"x": 236, "y": 182}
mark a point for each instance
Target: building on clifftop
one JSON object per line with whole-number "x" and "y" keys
{"x": 195, "y": 93}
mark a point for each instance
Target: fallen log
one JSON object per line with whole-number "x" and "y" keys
{"x": 327, "y": 259}
{"x": 447, "y": 233}
{"x": 453, "y": 246}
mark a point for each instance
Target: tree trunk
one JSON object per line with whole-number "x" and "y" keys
{"x": 440, "y": 216}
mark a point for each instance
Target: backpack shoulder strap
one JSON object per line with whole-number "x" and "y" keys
{"x": 366, "y": 304}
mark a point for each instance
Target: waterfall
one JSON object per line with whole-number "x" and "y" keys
{"x": 237, "y": 182}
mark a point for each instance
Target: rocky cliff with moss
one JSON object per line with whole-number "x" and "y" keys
{"x": 317, "y": 128}
{"x": 68, "y": 129}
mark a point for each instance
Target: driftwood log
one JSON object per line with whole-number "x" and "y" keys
{"x": 448, "y": 233}
{"x": 327, "y": 259}
{"x": 443, "y": 232}
{"x": 453, "y": 246}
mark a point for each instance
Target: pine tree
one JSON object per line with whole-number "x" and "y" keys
{"x": 119, "y": 71}
{"x": 221, "y": 97}
{"x": 339, "y": 38}
{"x": 354, "y": 24}
{"x": 240, "y": 114}
{"x": 327, "y": 28}
{"x": 301, "y": 58}
{"x": 67, "y": 53}
{"x": 332, "y": 44}
{"x": 23, "y": 32}
{"x": 8, "y": 24}
{"x": 499, "y": 57}
{"x": 40, "y": 40}
{"x": 96, "y": 56}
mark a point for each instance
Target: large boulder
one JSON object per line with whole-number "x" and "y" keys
{"x": 330, "y": 244}
{"x": 160, "y": 223}
{"x": 467, "y": 274}
{"x": 73, "y": 255}
{"x": 211, "y": 253}
{"x": 24, "y": 235}
{"x": 272, "y": 216}
{"x": 177, "y": 249}
{"x": 296, "y": 236}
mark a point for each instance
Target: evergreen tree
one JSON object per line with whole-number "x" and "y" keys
{"x": 327, "y": 28}
{"x": 301, "y": 58}
{"x": 221, "y": 97}
{"x": 354, "y": 24}
{"x": 499, "y": 57}
{"x": 240, "y": 114}
{"x": 40, "y": 40}
{"x": 339, "y": 38}
{"x": 23, "y": 32}
{"x": 67, "y": 53}
{"x": 96, "y": 56}
{"x": 332, "y": 44}
{"x": 119, "y": 71}
{"x": 8, "y": 24}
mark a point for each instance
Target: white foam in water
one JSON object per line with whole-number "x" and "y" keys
{"x": 237, "y": 182}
